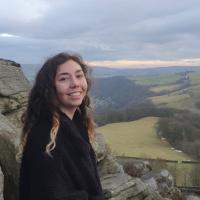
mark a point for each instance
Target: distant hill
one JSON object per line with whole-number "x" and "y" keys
{"x": 176, "y": 87}
{"x": 117, "y": 92}
{"x": 179, "y": 91}
{"x": 31, "y": 69}
{"x": 105, "y": 72}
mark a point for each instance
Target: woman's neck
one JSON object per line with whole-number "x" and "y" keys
{"x": 69, "y": 112}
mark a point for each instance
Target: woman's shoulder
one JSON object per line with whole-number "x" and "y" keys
{"x": 38, "y": 136}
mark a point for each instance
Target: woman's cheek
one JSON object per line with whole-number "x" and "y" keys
{"x": 85, "y": 85}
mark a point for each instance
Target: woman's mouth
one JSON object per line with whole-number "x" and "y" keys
{"x": 74, "y": 94}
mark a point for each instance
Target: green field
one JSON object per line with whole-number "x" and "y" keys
{"x": 156, "y": 80}
{"x": 138, "y": 139}
{"x": 178, "y": 91}
{"x": 195, "y": 78}
{"x": 169, "y": 99}
{"x": 167, "y": 88}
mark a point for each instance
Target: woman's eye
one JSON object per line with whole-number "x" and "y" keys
{"x": 63, "y": 79}
{"x": 79, "y": 75}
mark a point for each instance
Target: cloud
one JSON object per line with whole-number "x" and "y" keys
{"x": 30, "y": 10}
{"x": 31, "y": 30}
{"x": 145, "y": 63}
{"x": 7, "y": 35}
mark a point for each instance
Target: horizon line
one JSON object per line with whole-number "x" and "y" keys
{"x": 140, "y": 64}
{"x": 144, "y": 64}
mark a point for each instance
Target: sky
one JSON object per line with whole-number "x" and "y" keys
{"x": 108, "y": 33}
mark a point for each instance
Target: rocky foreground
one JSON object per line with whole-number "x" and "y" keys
{"x": 117, "y": 184}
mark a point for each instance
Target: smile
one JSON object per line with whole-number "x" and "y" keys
{"x": 75, "y": 94}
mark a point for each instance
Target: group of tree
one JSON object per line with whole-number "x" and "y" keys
{"x": 120, "y": 90}
{"x": 182, "y": 131}
{"x": 181, "y": 128}
{"x": 133, "y": 112}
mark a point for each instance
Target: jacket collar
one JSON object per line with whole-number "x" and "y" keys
{"x": 75, "y": 131}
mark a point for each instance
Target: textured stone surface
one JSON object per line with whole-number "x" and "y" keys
{"x": 160, "y": 181}
{"x": 12, "y": 79}
{"x": 109, "y": 166}
{"x": 9, "y": 140}
{"x": 13, "y": 97}
{"x": 13, "y": 86}
{"x": 192, "y": 197}
{"x": 1, "y": 184}
{"x": 118, "y": 185}
{"x": 100, "y": 147}
{"x": 134, "y": 167}
{"x": 155, "y": 196}
{"x": 163, "y": 179}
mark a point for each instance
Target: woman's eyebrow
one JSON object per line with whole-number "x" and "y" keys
{"x": 63, "y": 73}
{"x": 79, "y": 70}
{"x": 67, "y": 73}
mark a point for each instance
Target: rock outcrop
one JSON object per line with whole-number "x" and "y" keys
{"x": 13, "y": 90}
{"x": 193, "y": 197}
{"x": 13, "y": 96}
{"x": 1, "y": 184}
{"x": 117, "y": 184}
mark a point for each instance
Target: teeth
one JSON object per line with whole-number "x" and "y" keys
{"x": 75, "y": 94}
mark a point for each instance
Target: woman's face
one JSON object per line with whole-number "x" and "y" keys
{"x": 71, "y": 85}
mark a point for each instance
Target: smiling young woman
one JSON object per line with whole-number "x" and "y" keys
{"x": 71, "y": 86}
{"x": 58, "y": 161}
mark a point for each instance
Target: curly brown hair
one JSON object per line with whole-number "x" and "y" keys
{"x": 42, "y": 99}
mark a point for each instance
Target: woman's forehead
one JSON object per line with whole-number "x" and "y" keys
{"x": 69, "y": 67}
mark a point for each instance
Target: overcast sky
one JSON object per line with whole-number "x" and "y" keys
{"x": 115, "y": 33}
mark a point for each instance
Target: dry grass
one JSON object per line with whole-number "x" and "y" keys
{"x": 167, "y": 99}
{"x": 156, "y": 80}
{"x": 168, "y": 88}
{"x": 138, "y": 138}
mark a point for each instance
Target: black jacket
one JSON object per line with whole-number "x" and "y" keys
{"x": 72, "y": 172}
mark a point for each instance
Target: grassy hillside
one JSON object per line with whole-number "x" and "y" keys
{"x": 138, "y": 138}
{"x": 169, "y": 100}
{"x": 168, "y": 88}
{"x": 117, "y": 92}
{"x": 195, "y": 78}
{"x": 180, "y": 91}
{"x": 156, "y": 80}
{"x": 181, "y": 99}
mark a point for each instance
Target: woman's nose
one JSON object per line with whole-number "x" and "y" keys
{"x": 74, "y": 82}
